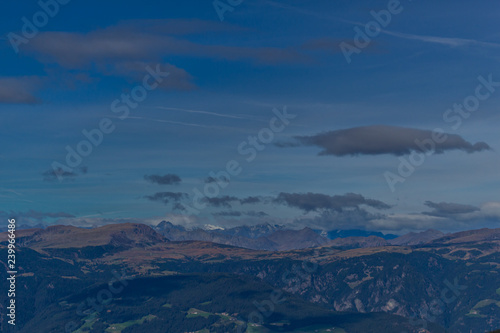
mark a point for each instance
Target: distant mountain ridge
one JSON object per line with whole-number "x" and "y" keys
{"x": 413, "y": 238}
{"x": 333, "y": 234}
{"x": 279, "y": 238}
{"x": 276, "y": 237}
{"x": 260, "y": 237}
{"x": 296, "y": 239}
{"x": 358, "y": 242}
{"x": 257, "y": 237}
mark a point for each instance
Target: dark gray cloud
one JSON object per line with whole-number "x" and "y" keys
{"x": 226, "y": 201}
{"x": 228, "y": 214}
{"x": 167, "y": 197}
{"x": 178, "y": 206}
{"x": 168, "y": 179}
{"x": 256, "y": 214}
{"x": 446, "y": 209}
{"x": 305, "y": 201}
{"x": 222, "y": 201}
{"x": 355, "y": 218}
{"x": 447, "y": 217}
{"x": 211, "y": 179}
{"x": 251, "y": 200}
{"x": 381, "y": 139}
{"x": 126, "y": 49}
{"x": 317, "y": 201}
{"x": 54, "y": 175}
{"x": 19, "y": 90}
{"x": 177, "y": 79}
{"x": 238, "y": 214}
{"x": 139, "y": 40}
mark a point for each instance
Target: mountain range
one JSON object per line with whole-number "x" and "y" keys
{"x": 278, "y": 238}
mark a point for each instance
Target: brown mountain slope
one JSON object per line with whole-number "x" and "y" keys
{"x": 64, "y": 236}
{"x": 358, "y": 242}
{"x": 296, "y": 239}
{"x": 479, "y": 235}
{"x": 260, "y": 243}
{"x": 413, "y": 238}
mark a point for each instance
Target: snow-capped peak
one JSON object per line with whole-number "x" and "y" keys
{"x": 212, "y": 227}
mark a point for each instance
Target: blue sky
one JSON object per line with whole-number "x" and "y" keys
{"x": 225, "y": 79}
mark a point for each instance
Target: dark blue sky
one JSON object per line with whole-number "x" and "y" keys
{"x": 356, "y": 116}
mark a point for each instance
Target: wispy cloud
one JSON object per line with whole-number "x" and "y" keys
{"x": 53, "y": 175}
{"x": 10, "y": 191}
{"x": 301, "y": 10}
{"x": 142, "y": 40}
{"x": 203, "y": 112}
{"x": 33, "y": 217}
{"x": 448, "y": 41}
{"x": 19, "y": 90}
{"x": 13, "y": 195}
{"x": 176, "y": 122}
{"x": 104, "y": 213}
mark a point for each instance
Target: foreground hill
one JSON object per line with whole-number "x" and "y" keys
{"x": 451, "y": 281}
{"x": 70, "y": 296}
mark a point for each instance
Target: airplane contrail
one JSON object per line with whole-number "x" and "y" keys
{"x": 179, "y": 123}
{"x": 449, "y": 41}
{"x": 204, "y": 112}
